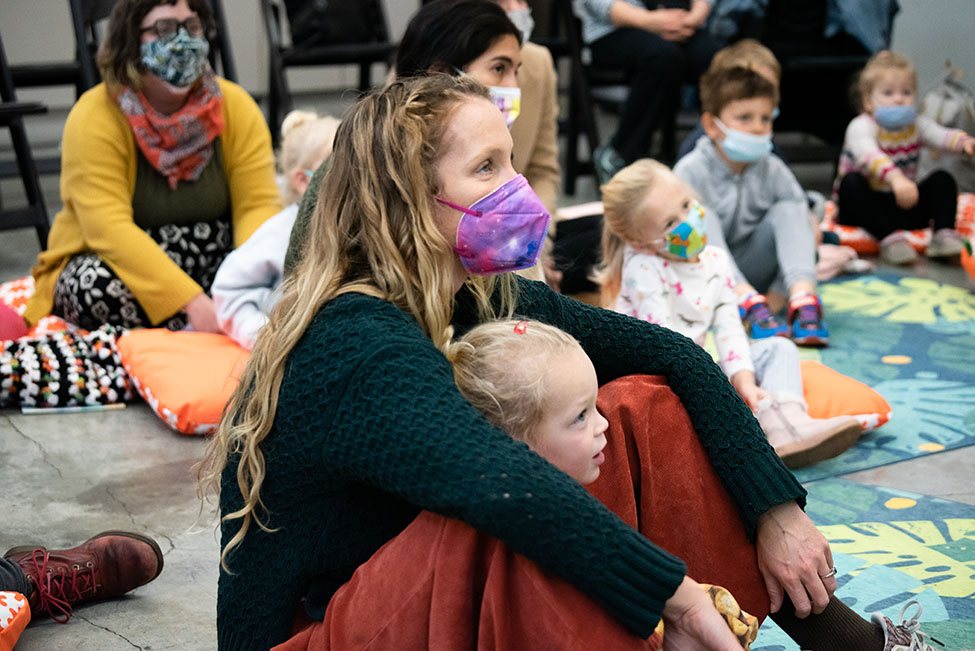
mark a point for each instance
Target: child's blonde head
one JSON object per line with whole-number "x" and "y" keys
{"x": 500, "y": 367}
{"x": 747, "y": 53}
{"x": 624, "y": 200}
{"x": 880, "y": 64}
{"x": 306, "y": 140}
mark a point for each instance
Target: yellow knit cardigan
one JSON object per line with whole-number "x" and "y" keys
{"x": 98, "y": 169}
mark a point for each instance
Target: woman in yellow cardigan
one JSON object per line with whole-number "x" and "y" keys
{"x": 165, "y": 168}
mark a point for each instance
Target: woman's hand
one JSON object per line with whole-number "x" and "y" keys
{"x": 669, "y": 24}
{"x": 691, "y": 622}
{"x": 793, "y": 557}
{"x": 905, "y": 191}
{"x": 202, "y": 314}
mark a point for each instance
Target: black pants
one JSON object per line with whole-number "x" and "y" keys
{"x": 12, "y": 578}
{"x": 877, "y": 212}
{"x": 659, "y": 67}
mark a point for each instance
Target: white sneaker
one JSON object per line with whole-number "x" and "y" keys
{"x": 945, "y": 243}
{"x": 896, "y": 250}
{"x": 905, "y": 636}
{"x": 801, "y": 440}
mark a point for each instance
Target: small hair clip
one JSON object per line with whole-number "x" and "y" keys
{"x": 521, "y": 327}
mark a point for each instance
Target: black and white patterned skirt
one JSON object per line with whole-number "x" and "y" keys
{"x": 89, "y": 294}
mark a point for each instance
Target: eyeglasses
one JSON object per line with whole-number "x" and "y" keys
{"x": 166, "y": 26}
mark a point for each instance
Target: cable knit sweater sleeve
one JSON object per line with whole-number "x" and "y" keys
{"x": 619, "y": 345}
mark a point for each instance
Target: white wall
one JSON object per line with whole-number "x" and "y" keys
{"x": 40, "y": 30}
{"x": 928, "y": 31}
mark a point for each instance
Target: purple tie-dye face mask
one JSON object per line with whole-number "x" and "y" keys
{"x": 502, "y": 231}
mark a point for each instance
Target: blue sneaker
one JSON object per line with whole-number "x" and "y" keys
{"x": 758, "y": 319}
{"x": 806, "y": 318}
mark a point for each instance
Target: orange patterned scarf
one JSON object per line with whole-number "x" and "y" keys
{"x": 178, "y": 145}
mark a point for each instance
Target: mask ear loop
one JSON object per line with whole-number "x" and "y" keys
{"x": 463, "y": 209}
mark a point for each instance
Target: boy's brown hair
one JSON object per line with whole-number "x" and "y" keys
{"x": 723, "y": 86}
{"x": 881, "y": 62}
{"x": 746, "y": 53}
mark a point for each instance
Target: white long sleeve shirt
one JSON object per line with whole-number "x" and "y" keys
{"x": 690, "y": 298}
{"x": 243, "y": 289}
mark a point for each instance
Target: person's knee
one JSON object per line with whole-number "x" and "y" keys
{"x": 853, "y": 181}
{"x": 665, "y": 56}
{"x": 941, "y": 182}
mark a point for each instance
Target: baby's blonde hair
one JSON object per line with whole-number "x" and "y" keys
{"x": 500, "y": 367}
{"x": 746, "y": 53}
{"x": 881, "y": 62}
{"x": 623, "y": 198}
{"x": 305, "y": 140}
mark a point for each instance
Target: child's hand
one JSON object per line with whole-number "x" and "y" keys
{"x": 969, "y": 146}
{"x": 751, "y": 393}
{"x": 905, "y": 191}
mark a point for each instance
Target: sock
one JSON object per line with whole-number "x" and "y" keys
{"x": 751, "y": 298}
{"x": 837, "y": 628}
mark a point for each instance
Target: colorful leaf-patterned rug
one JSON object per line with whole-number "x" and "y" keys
{"x": 913, "y": 341}
{"x": 891, "y": 547}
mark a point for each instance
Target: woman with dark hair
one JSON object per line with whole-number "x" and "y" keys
{"x": 165, "y": 168}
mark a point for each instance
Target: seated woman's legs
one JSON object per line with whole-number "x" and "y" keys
{"x": 89, "y": 294}
{"x": 451, "y": 585}
{"x": 657, "y": 67}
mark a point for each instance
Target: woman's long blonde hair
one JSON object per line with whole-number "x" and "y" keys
{"x": 624, "y": 198}
{"x": 372, "y": 232}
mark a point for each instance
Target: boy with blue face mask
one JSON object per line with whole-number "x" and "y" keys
{"x": 877, "y": 186}
{"x": 757, "y": 210}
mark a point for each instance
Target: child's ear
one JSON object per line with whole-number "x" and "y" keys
{"x": 710, "y": 128}
{"x": 298, "y": 180}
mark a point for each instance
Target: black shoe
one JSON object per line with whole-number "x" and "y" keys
{"x": 607, "y": 162}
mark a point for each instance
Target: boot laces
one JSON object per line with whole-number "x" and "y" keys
{"x": 912, "y": 627}
{"x": 57, "y": 589}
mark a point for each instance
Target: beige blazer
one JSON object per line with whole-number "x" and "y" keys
{"x": 536, "y": 130}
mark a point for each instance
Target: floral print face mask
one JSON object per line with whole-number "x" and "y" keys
{"x": 177, "y": 58}
{"x": 502, "y": 231}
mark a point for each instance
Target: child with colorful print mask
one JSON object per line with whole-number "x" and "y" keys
{"x": 877, "y": 187}
{"x": 659, "y": 267}
{"x": 757, "y": 210}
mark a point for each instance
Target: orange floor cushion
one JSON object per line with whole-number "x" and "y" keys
{"x": 829, "y": 393}
{"x": 14, "y": 617}
{"x": 186, "y": 377}
{"x": 865, "y": 243}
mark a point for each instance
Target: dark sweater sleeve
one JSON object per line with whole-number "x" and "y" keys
{"x": 619, "y": 345}
{"x": 425, "y": 443}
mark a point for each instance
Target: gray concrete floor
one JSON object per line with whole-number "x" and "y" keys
{"x": 71, "y": 476}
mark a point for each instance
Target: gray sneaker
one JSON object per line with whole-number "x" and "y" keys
{"x": 945, "y": 243}
{"x": 607, "y": 162}
{"x": 894, "y": 249}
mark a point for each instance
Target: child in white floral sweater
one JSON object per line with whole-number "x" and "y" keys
{"x": 658, "y": 268}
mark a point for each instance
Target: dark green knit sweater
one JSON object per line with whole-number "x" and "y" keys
{"x": 370, "y": 428}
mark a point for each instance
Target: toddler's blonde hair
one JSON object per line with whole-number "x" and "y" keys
{"x": 500, "y": 367}
{"x": 623, "y": 200}
{"x": 305, "y": 140}
{"x": 746, "y": 53}
{"x": 881, "y": 62}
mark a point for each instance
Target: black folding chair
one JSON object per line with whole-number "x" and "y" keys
{"x": 12, "y": 115}
{"x": 374, "y": 48}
